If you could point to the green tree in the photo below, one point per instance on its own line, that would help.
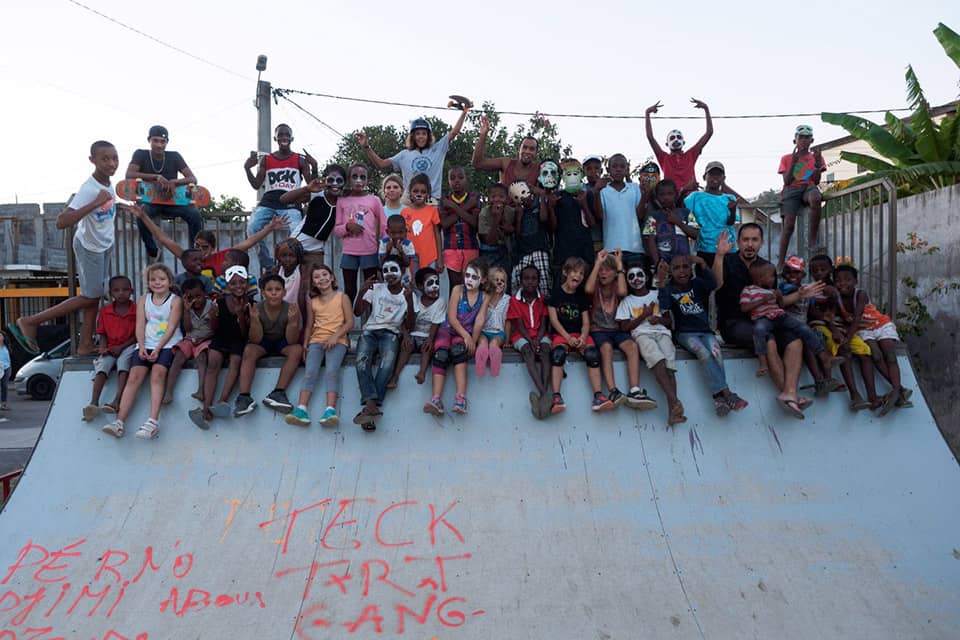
(917, 153)
(767, 197)
(386, 140)
(226, 207)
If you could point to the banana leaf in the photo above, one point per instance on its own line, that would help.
(950, 135)
(950, 41)
(928, 139)
(881, 140)
(868, 162)
(900, 129)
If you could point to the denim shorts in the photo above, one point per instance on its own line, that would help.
(359, 263)
(165, 359)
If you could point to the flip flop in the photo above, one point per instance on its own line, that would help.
(859, 405)
(889, 402)
(792, 407)
(803, 403)
(26, 343)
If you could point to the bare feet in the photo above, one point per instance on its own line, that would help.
(197, 395)
(167, 399)
(676, 414)
(420, 378)
(761, 371)
(392, 384)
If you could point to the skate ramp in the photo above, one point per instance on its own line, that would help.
(491, 525)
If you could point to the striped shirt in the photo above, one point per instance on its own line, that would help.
(769, 309)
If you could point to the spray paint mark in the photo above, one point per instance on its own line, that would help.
(695, 444)
(773, 432)
(563, 453)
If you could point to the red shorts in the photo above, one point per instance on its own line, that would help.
(457, 259)
(559, 341)
(192, 349)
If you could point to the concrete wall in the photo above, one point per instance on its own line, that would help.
(935, 216)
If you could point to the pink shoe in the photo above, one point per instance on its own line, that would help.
(496, 357)
(480, 359)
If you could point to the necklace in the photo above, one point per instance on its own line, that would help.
(163, 161)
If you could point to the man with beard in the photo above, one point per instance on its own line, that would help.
(525, 167)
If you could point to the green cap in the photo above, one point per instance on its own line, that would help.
(804, 130)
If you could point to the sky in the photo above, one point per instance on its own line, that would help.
(72, 76)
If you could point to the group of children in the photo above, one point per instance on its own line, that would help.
(558, 258)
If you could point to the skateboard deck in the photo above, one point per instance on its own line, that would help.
(147, 192)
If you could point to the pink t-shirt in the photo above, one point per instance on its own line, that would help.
(679, 167)
(366, 211)
(802, 171)
(769, 309)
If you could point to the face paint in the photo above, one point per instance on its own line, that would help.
(519, 191)
(431, 285)
(390, 271)
(675, 140)
(649, 175)
(471, 279)
(358, 179)
(549, 173)
(572, 176)
(636, 278)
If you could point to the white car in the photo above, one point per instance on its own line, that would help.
(39, 377)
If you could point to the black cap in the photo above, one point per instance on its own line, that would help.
(158, 131)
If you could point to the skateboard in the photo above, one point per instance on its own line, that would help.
(147, 192)
(460, 103)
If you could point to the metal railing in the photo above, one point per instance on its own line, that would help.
(7, 482)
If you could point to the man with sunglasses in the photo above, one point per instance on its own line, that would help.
(278, 172)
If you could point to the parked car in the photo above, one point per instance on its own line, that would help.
(39, 377)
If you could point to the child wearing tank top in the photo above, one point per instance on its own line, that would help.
(494, 332)
(158, 331)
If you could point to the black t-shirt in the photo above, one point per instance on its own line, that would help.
(688, 305)
(169, 167)
(570, 307)
(736, 276)
(531, 233)
(320, 218)
(572, 238)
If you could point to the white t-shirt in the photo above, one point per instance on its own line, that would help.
(95, 230)
(428, 316)
(630, 307)
(387, 310)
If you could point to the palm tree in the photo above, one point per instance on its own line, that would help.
(916, 153)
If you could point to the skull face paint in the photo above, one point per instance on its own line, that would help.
(391, 272)
(571, 174)
(358, 179)
(549, 174)
(636, 278)
(431, 286)
(519, 191)
(675, 140)
(471, 279)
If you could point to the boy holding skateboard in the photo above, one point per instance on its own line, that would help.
(92, 210)
(163, 167)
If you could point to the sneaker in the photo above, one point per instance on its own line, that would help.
(434, 407)
(90, 412)
(148, 430)
(558, 404)
(721, 406)
(277, 400)
(298, 417)
(735, 402)
(601, 402)
(115, 428)
(460, 404)
(329, 417)
(638, 399)
(616, 397)
(243, 405)
(197, 418)
(220, 410)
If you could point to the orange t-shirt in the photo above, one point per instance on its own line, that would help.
(421, 225)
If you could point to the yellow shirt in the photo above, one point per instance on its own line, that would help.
(327, 318)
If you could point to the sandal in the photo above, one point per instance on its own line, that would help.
(148, 430)
(26, 343)
(792, 407)
(115, 428)
(364, 418)
(460, 404)
(369, 426)
(804, 403)
(859, 405)
(109, 408)
(889, 402)
(199, 417)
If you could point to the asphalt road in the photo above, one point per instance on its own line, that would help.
(19, 430)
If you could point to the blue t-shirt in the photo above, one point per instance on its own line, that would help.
(711, 213)
(620, 227)
(688, 305)
(428, 161)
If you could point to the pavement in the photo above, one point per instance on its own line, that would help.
(19, 429)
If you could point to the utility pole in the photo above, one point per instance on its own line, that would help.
(263, 113)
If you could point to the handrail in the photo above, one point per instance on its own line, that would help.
(6, 480)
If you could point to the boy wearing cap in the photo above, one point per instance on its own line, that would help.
(715, 211)
(158, 165)
(801, 171)
(679, 165)
(421, 155)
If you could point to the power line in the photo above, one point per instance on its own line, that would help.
(159, 41)
(279, 93)
(595, 116)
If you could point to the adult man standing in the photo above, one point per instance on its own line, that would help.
(525, 167)
(163, 167)
(732, 271)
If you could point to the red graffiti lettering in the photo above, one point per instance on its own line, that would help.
(56, 556)
(147, 563)
(85, 592)
(184, 563)
(190, 603)
(420, 618)
(116, 603)
(291, 520)
(435, 520)
(365, 570)
(313, 568)
(113, 635)
(370, 614)
(29, 602)
(454, 618)
(105, 565)
(355, 544)
(311, 619)
(64, 588)
(440, 560)
(376, 527)
(340, 581)
(27, 549)
(223, 601)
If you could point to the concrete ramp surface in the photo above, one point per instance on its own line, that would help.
(487, 526)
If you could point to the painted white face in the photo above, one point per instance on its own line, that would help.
(431, 286)
(636, 278)
(549, 174)
(518, 192)
(391, 272)
(471, 279)
(675, 140)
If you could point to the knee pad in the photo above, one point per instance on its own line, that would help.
(558, 355)
(441, 358)
(458, 353)
(591, 355)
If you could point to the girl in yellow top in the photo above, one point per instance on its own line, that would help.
(329, 320)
